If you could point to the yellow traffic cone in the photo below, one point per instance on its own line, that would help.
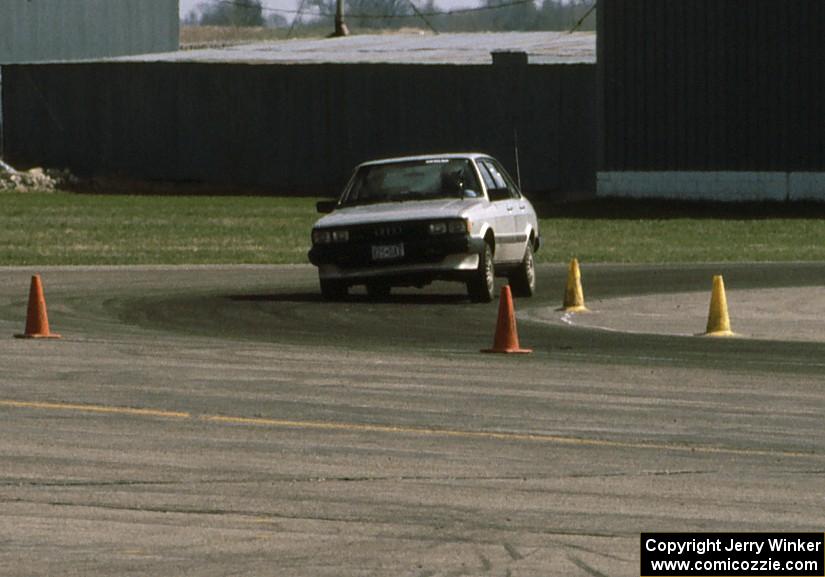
(718, 319)
(573, 294)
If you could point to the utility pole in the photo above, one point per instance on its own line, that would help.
(340, 27)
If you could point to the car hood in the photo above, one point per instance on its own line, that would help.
(399, 211)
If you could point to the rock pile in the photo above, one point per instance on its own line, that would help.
(34, 180)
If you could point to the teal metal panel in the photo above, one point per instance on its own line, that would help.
(57, 30)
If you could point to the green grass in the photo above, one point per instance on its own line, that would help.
(683, 240)
(649, 231)
(64, 228)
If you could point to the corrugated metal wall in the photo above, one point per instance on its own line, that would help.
(297, 128)
(735, 85)
(46, 30)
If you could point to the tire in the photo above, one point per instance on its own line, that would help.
(523, 280)
(333, 290)
(481, 287)
(378, 291)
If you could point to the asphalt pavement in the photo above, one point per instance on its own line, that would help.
(226, 421)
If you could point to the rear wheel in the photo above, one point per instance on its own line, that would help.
(481, 287)
(523, 280)
(333, 290)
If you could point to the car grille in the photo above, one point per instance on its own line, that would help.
(388, 232)
(420, 247)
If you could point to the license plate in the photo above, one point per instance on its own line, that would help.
(387, 251)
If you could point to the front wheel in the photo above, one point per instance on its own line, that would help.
(523, 280)
(333, 290)
(481, 287)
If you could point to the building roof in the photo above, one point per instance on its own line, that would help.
(401, 48)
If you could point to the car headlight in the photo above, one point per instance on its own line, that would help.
(458, 227)
(326, 236)
(449, 227)
(321, 236)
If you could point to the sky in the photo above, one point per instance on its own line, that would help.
(186, 6)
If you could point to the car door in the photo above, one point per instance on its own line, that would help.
(502, 197)
(522, 211)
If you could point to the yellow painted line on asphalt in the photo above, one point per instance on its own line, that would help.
(95, 409)
(402, 430)
(497, 436)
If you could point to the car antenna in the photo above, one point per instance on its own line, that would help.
(515, 146)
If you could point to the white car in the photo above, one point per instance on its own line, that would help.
(412, 220)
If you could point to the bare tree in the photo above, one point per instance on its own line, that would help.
(491, 15)
(557, 15)
(231, 13)
(377, 13)
(511, 17)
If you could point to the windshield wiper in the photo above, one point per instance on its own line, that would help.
(369, 200)
(414, 196)
(404, 197)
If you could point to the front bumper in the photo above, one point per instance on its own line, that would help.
(436, 256)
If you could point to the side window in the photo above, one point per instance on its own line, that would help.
(489, 182)
(471, 186)
(498, 185)
(511, 186)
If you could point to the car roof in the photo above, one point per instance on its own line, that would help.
(449, 155)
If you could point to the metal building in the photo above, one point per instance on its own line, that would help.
(49, 30)
(716, 99)
(60, 30)
(294, 117)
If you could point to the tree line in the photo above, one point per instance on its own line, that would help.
(393, 14)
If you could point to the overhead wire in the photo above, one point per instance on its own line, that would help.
(422, 17)
(296, 19)
(584, 17)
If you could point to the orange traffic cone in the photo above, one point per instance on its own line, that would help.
(37, 321)
(506, 339)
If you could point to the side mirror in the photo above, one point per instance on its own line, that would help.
(498, 194)
(326, 206)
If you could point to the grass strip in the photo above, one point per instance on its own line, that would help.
(78, 229)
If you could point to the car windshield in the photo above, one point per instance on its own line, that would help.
(413, 180)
